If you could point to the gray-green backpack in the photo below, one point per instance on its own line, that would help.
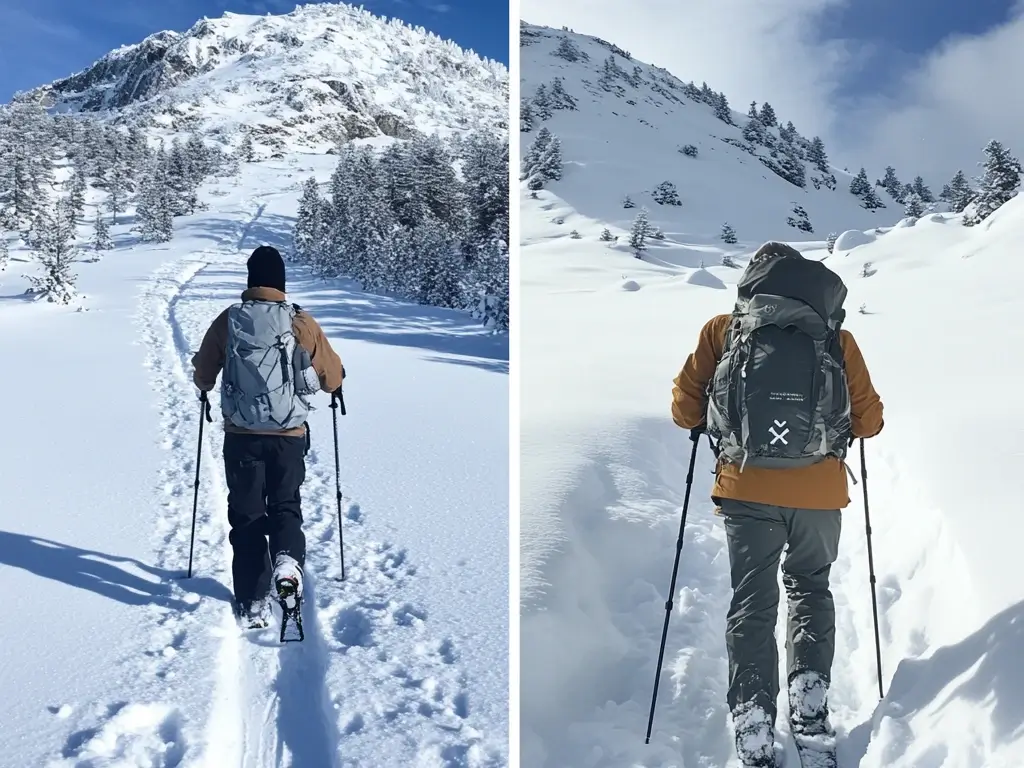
(267, 373)
(779, 396)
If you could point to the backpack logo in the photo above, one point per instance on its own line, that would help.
(779, 436)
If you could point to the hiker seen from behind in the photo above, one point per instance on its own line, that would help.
(783, 391)
(274, 357)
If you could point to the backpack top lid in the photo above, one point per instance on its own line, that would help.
(779, 269)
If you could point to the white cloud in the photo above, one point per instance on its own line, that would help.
(934, 120)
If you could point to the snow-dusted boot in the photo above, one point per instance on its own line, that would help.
(254, 614)
(755, 736)
(808, 705)
(808, 715)
(288, 584)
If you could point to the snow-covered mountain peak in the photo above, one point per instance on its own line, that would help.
(635, 135)
(308, 79)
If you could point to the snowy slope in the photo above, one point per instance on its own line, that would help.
(111, 657)
(625, 140)
(604, 468)
(305, 80)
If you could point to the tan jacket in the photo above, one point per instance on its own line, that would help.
(819, 486)
(209, 360)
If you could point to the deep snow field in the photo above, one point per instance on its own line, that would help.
(603, 477)
(111, 657)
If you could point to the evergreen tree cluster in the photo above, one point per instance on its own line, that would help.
(403, 223)
(861, 187)
(546, 100)
(998, 183)
(542, 162)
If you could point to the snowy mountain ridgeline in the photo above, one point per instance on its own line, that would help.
(147, 134)
(310, 79)
(669, 162)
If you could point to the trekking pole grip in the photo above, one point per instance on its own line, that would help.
(338, 397)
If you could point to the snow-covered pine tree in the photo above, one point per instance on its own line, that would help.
(639, 233)
(728, 261)
(541, 102)
(830, 241)
(871, 200)
(439, 275)
(533, 154)
(559, 97)
(891, 184)
(914, 207)
(752, 112)
(768, 115)
(154, 207)
(689, 150)
(606, 235)
(998, 183)
(308, 231)
(860, 184)
(666, 193)
(526, 116)
(101, 240)
(754, 131)
(5, 254)
(800, 220)
(722, 109)
(55, 251)
(960, 192)
(922, 191)
(246, 151)
(76, 193)
(566, 50)
(908, 189)
(627, 202)
(816, 155)
(728, 234)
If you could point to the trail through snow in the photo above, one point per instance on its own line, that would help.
(405, 662)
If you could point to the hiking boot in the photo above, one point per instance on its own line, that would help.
(253, 614)
(808, 705)
(755, 736)
(288, 581)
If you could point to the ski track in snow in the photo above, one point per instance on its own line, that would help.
(370, 684)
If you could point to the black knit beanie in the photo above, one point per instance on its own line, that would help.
(266, 268)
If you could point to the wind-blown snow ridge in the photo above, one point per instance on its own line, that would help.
(322, 74)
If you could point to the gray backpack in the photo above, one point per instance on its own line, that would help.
(267, 373)
(779, 396)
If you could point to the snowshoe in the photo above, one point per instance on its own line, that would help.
(288, 584)
(813, 734)
(254, 614)
(755, 737)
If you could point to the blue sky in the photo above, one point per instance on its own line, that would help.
(43, 40)
(892, 36)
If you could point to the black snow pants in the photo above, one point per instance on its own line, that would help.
(264, 473)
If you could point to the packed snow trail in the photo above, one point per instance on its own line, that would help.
(604, 472)
(405, 663)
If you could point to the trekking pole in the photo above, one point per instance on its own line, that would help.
(871, 568)
(336, 398)
(695, 437)
(204, 410)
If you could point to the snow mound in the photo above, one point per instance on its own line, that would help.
(630, 285)
(704, 278)
(906, 222)
(853, 238)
